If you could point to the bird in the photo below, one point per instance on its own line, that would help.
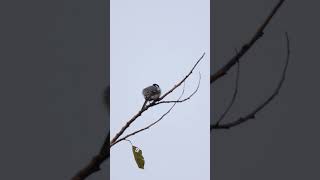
(152, 93)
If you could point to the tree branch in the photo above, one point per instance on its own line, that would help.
(146, 107)
(223, 71)
(104, 153)
(185, 99)
(233, 96)
(262, 105)
(177, 85)
(94, 165)
(152, 124)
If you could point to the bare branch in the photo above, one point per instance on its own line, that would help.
(185, 99)
(262, 105)
(94, 165)
(233, 96)
(177, 85)
(104, 153)
(147, 106)
(221, 72)
(152, 124)
(144, 108)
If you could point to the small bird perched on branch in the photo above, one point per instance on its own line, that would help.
(151, 93)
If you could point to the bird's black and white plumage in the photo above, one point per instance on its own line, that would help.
(151, 93)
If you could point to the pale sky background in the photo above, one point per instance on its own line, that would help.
(159, 42)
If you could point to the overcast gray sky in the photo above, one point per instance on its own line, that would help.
(159, 42)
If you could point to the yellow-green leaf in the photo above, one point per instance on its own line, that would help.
(137, 153)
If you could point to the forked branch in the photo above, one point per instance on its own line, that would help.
(155, 122)
(154, 103)
(104, 153)
(253, 113)
(147, 127)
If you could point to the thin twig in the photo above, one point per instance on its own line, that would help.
(152, 124)
(233, 96)
(129, 141)
(222, 71)
(185, 99)
(262, 105)
(177, 85)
